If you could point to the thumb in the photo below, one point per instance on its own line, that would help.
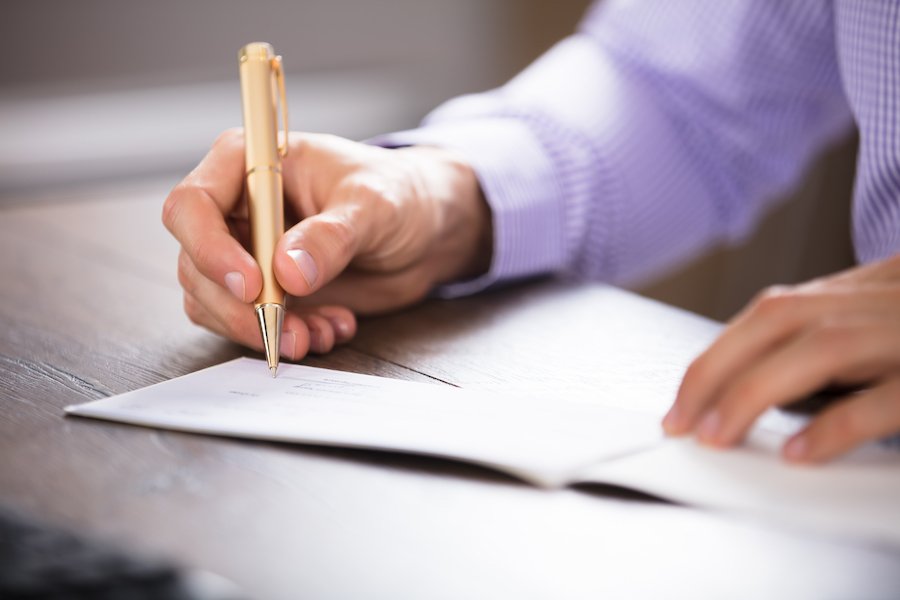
(319, 248)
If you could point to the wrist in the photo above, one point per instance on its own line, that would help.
(462, 247)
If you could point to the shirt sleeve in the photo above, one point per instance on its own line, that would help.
(656, 130)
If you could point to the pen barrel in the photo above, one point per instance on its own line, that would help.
(259, 70)
(265, 202)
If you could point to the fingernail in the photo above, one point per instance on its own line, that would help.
(288, 344)
(306, 265)
(670, 421)
(234, 281)
(795, 449)
(709, 427)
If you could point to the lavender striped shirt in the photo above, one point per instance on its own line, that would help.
(661, 127)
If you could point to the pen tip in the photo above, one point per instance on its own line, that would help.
(273, 370)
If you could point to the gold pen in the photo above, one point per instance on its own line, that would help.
(262, 93)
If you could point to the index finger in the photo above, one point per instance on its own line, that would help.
(195, 214)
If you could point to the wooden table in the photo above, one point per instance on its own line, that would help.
(91, 307)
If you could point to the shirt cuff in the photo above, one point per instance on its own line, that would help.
(520, 186)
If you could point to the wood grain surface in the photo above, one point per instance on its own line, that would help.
(89, 306)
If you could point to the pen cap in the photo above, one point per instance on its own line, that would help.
(260, 79)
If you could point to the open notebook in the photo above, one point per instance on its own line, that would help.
(547, 441)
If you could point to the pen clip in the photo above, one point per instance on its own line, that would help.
(282, 105)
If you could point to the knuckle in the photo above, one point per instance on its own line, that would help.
(173, 206)
(775, 302)
(340, 235)
(375, 191)
(323, 142)
(185, 272)
(229, 137)
(388, 205)
(192, 309)
(774, 291)
(201, 254)
(298, 141)
(697, 372)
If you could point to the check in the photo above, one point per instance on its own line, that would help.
(547, 441)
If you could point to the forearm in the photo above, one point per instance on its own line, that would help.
(619, 153)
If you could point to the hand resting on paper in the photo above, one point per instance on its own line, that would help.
(842, 330)
(368, 230)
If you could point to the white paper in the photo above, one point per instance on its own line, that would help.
(544, 441)
(857, 495)
(548, 441)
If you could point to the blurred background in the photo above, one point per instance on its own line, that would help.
(97, 92)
